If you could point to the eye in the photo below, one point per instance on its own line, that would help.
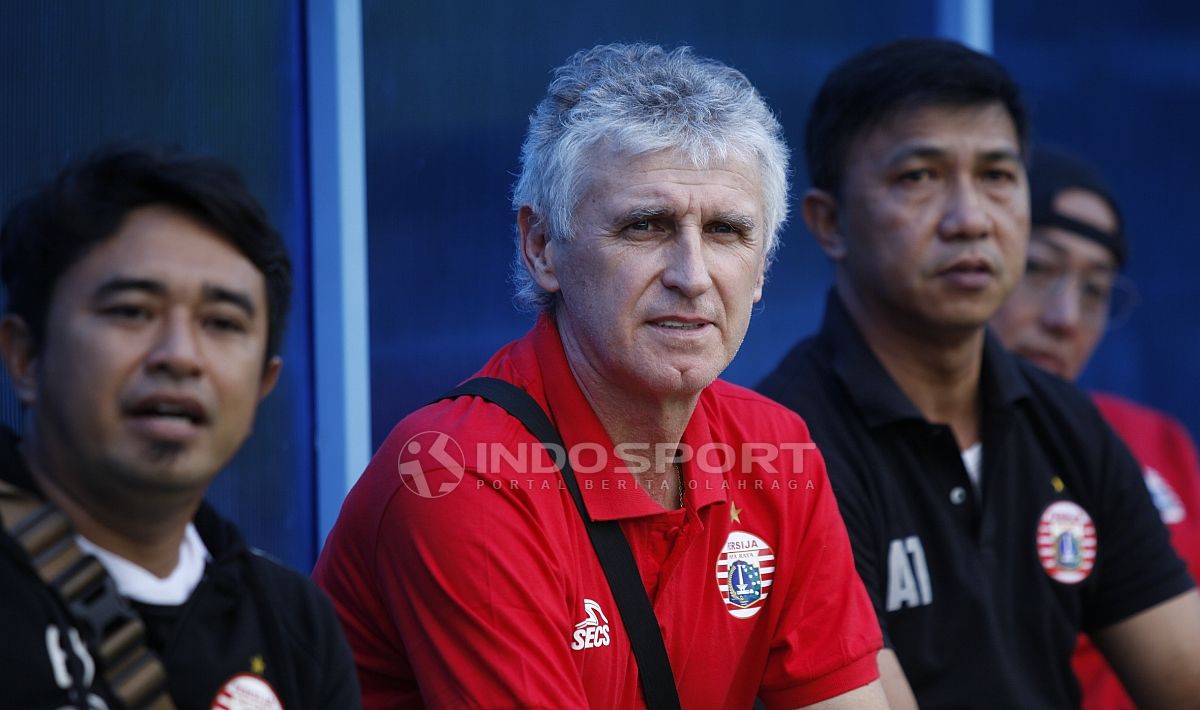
(225, 324)
(726, 230)
(999, 175)
(1042, 273)
(1098, 292)
(1037, 266)
(915, 176)
(643, 229)
(127, 311)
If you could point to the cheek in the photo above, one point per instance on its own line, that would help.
(1088, 340)
(1017, 320)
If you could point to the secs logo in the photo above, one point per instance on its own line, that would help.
(593, 631)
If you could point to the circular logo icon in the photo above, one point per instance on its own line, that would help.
(431, 464)
(745, 568)
(1066, 542)
(246, 692)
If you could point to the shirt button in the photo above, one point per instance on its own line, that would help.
(958, 495)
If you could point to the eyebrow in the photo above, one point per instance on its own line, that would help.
(638, 214)
(737, 220)
(209, 292)
(928, 152)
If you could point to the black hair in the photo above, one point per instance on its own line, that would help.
(881, 81)
(48, 232)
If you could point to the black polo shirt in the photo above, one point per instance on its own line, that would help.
(981, 600)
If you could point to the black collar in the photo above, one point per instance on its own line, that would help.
(874, 391)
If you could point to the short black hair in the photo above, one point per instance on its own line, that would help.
(881, 81)
(48, 232)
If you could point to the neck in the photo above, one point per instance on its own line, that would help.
(937, 369)
(651, 426)
(150, 541)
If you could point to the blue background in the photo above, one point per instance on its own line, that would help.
(448, 87)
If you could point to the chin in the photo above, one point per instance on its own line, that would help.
(689, 382)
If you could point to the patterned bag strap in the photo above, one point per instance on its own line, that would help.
(134, 673)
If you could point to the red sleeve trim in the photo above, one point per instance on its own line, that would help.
(843, 680)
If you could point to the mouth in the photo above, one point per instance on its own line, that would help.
(968, 272)
(167, 416)
(676, 324)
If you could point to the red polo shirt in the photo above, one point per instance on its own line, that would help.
(464, 576)
(1169, 463)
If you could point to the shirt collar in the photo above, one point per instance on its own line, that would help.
(1003, 383)
(877, 395)
(609, 491)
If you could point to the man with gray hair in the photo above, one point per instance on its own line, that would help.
(473, 564)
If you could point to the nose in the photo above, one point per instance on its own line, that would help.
(687, 270)
(176, 350)
(966, 215)
(1062, 312)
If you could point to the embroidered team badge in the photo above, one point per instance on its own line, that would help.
(1066, 542)
(246, 691)
(745, 568)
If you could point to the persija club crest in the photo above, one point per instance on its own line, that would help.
(745, 568)
(1066, 542)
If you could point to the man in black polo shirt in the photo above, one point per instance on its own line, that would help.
(992, 512)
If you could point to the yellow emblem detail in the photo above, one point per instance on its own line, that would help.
(734, 512)
(1058, 484)
(257, 665)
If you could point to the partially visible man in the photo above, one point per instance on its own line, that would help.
(652, 189)
(992, 512)
(1056, 318)
(147, 296)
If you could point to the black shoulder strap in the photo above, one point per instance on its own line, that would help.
(658, 682)
(113, 629)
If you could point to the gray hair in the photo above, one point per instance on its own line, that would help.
(641, 98)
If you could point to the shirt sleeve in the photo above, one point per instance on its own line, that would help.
(475, 596)
(829, 636)
(1137, 568)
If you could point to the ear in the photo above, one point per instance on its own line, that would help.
(537, 250)
(822, 217)
(762, 276)
(20, 358)
(270, 377)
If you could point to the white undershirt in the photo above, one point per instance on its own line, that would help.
(972, 458)
(141, 585)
